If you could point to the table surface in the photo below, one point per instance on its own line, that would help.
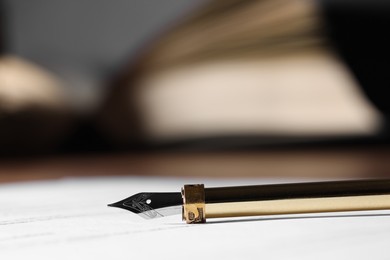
(371, 162)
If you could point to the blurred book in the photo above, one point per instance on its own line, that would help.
(242, 68)
(229, 73)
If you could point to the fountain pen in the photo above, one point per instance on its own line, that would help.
(197, 203)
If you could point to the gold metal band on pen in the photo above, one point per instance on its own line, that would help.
(193, 203)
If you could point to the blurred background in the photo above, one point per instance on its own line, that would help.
(209, 88)
(85, 41)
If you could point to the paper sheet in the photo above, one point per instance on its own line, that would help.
(69, 219)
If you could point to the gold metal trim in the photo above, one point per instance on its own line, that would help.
(295, 206)
(193, 203)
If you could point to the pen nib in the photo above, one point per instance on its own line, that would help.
(151, 205)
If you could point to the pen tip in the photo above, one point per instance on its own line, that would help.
(148, 205)
(113, 204)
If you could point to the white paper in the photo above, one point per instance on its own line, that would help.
(69, 219)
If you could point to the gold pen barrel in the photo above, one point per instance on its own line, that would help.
(297, 206)
(285, 199)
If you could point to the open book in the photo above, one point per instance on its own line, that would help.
(264, 70)
(241, 68)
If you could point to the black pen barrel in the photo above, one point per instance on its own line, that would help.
(297, 191)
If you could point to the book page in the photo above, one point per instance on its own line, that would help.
(69, 219)
(305, 95)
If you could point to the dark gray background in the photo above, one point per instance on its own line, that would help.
(91, 36)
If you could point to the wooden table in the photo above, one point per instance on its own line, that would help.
(307, 163)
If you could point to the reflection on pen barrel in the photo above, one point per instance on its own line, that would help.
(292, 198)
